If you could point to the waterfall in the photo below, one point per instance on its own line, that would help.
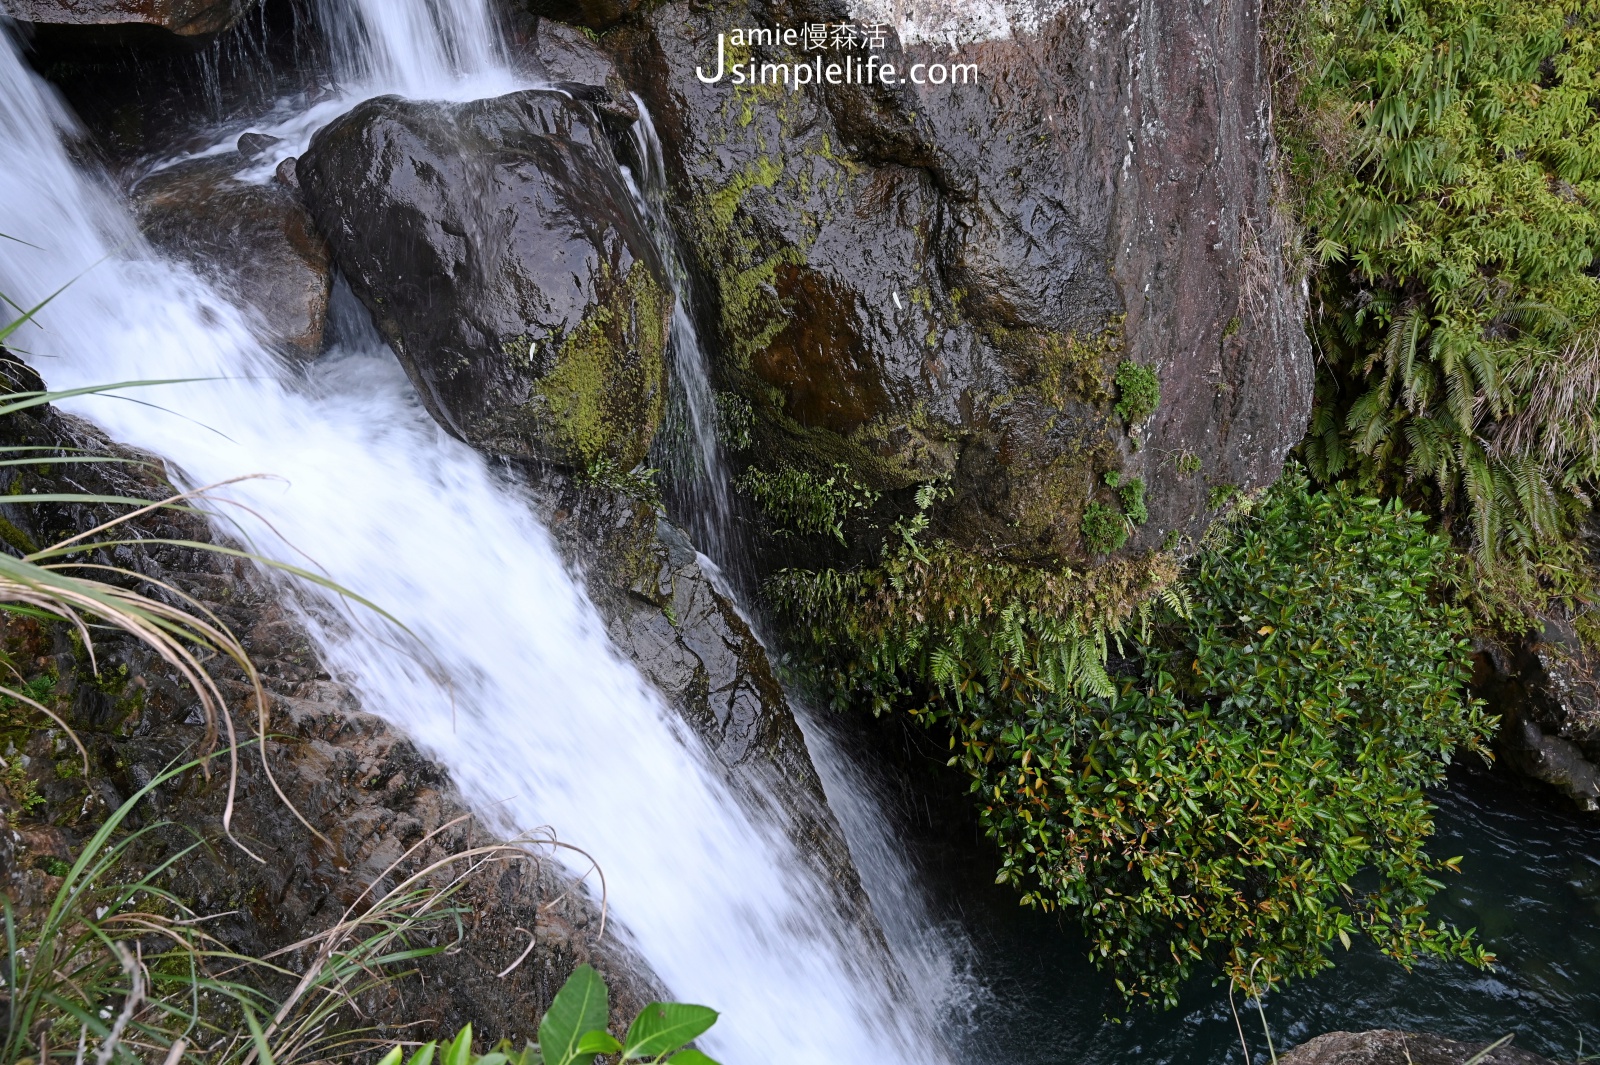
(692, 453)
(540, 722)
(416, 48)
(934, 960)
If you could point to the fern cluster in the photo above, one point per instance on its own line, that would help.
(1449, 155)
(799, 502)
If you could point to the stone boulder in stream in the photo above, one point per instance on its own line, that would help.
(1387, 1047)
(502, 257)
(256, 241)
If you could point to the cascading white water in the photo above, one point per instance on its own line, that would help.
(934, 960)
(541, 724)
(693, 462)
(416, 48)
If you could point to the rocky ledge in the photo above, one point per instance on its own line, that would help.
(369, 790)
(1385, 1047)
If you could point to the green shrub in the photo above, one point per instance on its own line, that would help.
(1138, 392)
(1216, 803)
(1449, 156)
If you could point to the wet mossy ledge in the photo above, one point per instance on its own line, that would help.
(601, 401)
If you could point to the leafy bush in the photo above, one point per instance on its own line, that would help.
(574, 1031)
(1251, 787)
(1449, 154)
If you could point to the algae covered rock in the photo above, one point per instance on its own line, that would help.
(962, 284)
(503, 259)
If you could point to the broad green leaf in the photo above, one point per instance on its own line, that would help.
(598, 1041)
(579, 1008)
(690, 1057)
(394, 1057)
(425, 1055)
(662, 1027)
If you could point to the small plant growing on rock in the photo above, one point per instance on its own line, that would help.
(574, 1031)
(801, 502)
(1104, 528)
(1138, 392)
(1131, 495)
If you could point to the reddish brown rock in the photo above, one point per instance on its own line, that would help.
(257, 241)
(187, 18)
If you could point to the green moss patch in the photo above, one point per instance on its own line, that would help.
(603, 398)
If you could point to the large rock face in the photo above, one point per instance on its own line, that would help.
(940, 283)
(257, 241)
(187, 18)
(501, 256)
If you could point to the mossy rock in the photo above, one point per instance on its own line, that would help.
(503, 258)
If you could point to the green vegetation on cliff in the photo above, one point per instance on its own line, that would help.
(1448, 155)
(1248, 788)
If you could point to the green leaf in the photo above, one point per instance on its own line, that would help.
(690, 1057)
(394, 1057)
(424, 1056)
(598, 1041)
(459, 1052)
(662, 1027)
(579, 1008)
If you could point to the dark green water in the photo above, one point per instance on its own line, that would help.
(1530, 884)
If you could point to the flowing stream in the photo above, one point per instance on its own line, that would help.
(539, 722)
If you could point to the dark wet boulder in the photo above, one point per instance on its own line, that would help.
(568, 58)
(664, 610)
(1546, 689)
(256, 240)
(503, 259)
(593, 14)
(987, 284)
(1385, 1047)
(186, 18)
